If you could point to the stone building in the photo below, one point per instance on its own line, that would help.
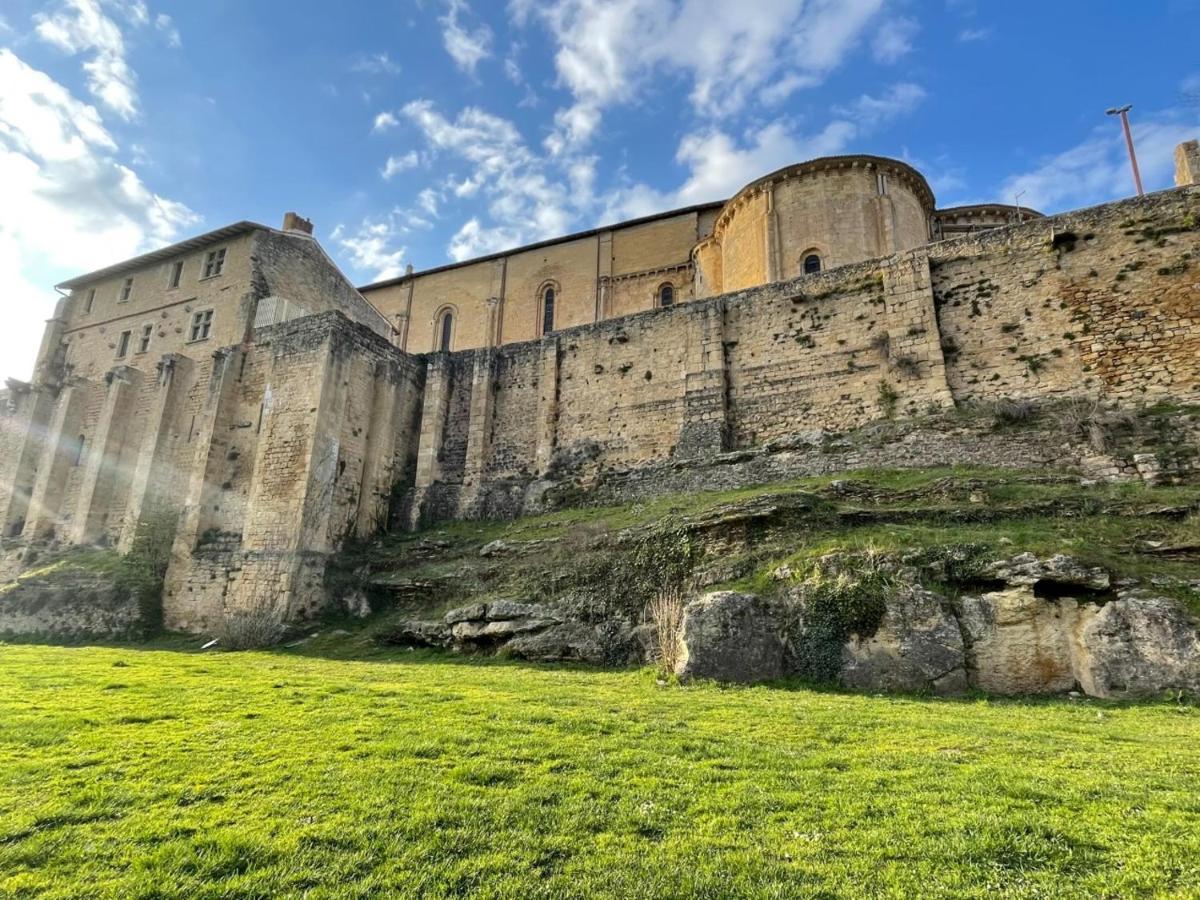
(239, 388)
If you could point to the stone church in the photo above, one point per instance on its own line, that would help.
(237, 385)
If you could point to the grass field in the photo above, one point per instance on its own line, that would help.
(133, 772)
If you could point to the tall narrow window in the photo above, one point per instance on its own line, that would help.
(812, 264)
(176, 274)
(90, 301)
(79, 450)
(446, 331)
(548, 310)
(214, 262)
(123, 344)
(144, 343)
(126, 290)
(201, 325)
(666, 295)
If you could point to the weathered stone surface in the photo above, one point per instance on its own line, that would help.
(499, 610)
(414, 633)
(567, 642)
(356, 604)
(493, 548)
(471, 613)
(1018, 643)
(68, 605)
(1058, 570)
(1138, 646)
(729, 636)
(492, 632)
(917, 647)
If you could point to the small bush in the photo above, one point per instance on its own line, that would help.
(665, 614)
(887, 399)
(882, 342)
(250, 628)
(907, 365)
(1007, 413)
(1088, 418)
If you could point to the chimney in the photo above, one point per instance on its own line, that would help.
(294, 222)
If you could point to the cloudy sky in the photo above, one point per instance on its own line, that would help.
(433, 130)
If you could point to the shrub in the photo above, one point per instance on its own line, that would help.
(250, 627)
(142, 570)
(1007, 413)
(907, 365)
(887, 399)
(665, 615)
(1088, 418)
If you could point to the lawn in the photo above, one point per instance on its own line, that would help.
(134, 772)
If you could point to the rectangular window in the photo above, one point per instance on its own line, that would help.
(90, 301)
(881, 183)
(176, 274)
(144, 343)
(123, 344)
(214, 262)
(126, 290)
(201, 325)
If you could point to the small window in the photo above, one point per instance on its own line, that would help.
(126, 290)
(79, 450)
(144, 343)
(666, 295)
(881, 183)
(812, 264)
(201, 325)
(123, 344)
(214, 262)
(446, 331)
(548, 310)
(90, 301)
(176, 274)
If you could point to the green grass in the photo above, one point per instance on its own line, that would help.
(129, 772)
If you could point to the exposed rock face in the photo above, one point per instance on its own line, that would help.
(917, 647)
(70, 606)
(1138, 646)
(1059, 570)
(730, 637)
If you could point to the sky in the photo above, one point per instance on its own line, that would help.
(429, 131)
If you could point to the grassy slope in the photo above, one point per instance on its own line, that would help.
(131, 772)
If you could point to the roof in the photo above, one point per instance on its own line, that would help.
(578, 235)
(983, 208)
(137, 262)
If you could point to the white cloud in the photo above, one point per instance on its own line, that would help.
(870, 112)
(466, 46)
(81, 26)
(428, 200)
(608, 50)
(397, 164)
(371, 247)
(164, 24)
(894, 39)
(374, 64)
(1096, 170)
(384, 121)
(969, 35)
(69, 206)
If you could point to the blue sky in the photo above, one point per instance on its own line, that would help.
(421, 132)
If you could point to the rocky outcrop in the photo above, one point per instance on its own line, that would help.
(1138, 646)
(729, 636)
(917, 646)
(71, 605)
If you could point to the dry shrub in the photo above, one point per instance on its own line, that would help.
(250, 628)
(665, 613)
(1088, 418)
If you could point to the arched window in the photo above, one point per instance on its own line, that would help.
(446, 331)
(812, 264)
(547, 309)
(666, 295)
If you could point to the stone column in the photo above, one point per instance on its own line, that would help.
(547, 408)
(24, 445)
(479, 427)
(150, 482)
(62, 452)
(1187, 163)
(105, 474)
(917, 364)
(774, 267)
(433, 418)
(379, 457)
(704, 428)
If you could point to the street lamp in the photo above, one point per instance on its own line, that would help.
(1123, 112)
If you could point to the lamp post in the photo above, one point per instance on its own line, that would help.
(1123, 112)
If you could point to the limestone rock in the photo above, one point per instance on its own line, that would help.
(415, 633)
(729, 636)
(1059, 570)
(494, 632)
(357, 604)
(1019, 643)
(566, 642)
(918, 646)
(493, 548)
(511, 609)
(474, 612)
(1139, 646)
